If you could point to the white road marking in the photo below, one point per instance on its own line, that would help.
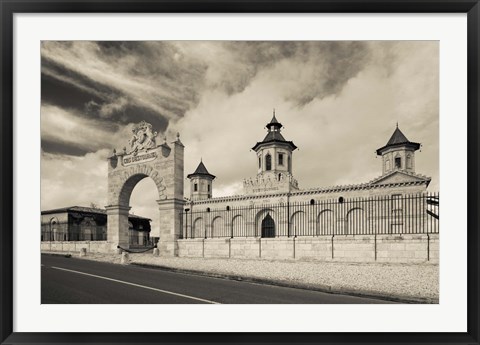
(137, 285)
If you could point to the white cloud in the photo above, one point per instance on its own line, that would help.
(73, 181)
(61, 125)
(337, 136)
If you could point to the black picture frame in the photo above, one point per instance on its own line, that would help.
(7, 175)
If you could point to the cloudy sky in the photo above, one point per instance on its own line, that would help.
(338, 102)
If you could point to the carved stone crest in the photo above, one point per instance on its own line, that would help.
(143, 138)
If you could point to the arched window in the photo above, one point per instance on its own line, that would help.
(398, 163)
(299, 224)
(238, 226)
(325, 223)
(198, 230)
(409, 162)
(259, 162)
(218, 228)
(289, 165)
(54, 232)
(268, 162)
(355, 222)
(268, 226)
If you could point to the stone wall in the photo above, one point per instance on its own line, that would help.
(192, 248)
(277, 248)
(357, 248)
(74, 247)
(360, 248)
(216, 248)
(313, 248)
(245, 247)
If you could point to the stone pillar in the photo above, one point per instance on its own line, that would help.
(171, 224)
(117, 226)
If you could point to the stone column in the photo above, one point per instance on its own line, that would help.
(171, 224)
(117, 226)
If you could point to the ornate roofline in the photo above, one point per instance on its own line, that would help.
(290, 144)
(410, 144)
(410, 174)
(332, 189)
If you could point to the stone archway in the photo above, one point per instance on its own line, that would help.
(268, 226)
(164, 165)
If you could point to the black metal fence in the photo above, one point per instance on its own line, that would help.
(67, 233)
(139, 239)
(392, 214)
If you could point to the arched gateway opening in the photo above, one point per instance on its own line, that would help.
(144, 229)
(164, 165)
(268, 226)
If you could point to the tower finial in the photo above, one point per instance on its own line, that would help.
(273, 111)
(397, 124)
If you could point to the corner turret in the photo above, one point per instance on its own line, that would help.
(398, 154)
(200, 183)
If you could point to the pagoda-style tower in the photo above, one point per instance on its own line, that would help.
(398, 154)
(274, 162)
(201, 183)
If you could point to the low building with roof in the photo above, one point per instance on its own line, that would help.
(78, 223)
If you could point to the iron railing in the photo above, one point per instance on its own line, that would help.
(60, 232)
(68, 232)
(377, 215)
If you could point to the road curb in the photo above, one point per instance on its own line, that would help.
(64, 254)
(311, 287)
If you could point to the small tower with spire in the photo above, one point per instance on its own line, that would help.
(398, 154)
(274, 153)
(274, 162)
(200, 183)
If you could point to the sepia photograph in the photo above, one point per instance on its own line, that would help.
(239, 172)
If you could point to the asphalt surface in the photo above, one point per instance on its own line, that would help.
(70, 280)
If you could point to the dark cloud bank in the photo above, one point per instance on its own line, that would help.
(180, 78)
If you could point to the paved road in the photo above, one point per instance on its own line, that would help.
(70, 280)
